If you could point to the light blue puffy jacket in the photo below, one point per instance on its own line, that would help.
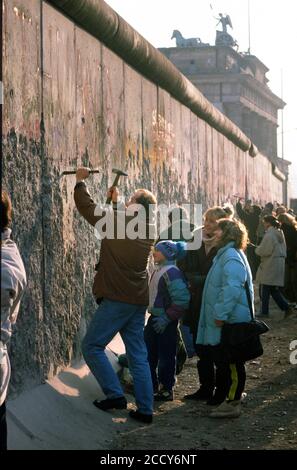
(224, 295)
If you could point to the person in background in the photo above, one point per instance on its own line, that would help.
(169, 298)
(280, 210)
(196, 266)
(271, 272)
(250, 216)
(229, 209)
(13, 283)
(292, 213)
(180, 229)
(289, 227)
(268, 210)
(225, 300)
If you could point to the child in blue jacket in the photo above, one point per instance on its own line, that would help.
(169, 298)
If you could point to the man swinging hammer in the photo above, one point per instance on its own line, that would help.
(121, 289)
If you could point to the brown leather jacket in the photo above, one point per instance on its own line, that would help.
(122, 271)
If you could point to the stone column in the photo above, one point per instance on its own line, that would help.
(274, 139)
(256, 129)
(234, 112)
(264, 136)
(255, 119)
(270, 133)
(247, 123)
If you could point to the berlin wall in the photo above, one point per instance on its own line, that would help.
(69, 100)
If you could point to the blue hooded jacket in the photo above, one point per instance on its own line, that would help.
(169, 293)
(224, 295)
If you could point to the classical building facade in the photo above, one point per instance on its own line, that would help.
(237, 85)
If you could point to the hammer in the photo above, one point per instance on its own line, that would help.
(116, 180)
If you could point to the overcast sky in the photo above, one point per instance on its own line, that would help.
(273, 41)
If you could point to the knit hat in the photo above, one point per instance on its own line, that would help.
(172, 250)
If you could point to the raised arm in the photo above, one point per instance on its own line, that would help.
(240, 211)
(83, 201)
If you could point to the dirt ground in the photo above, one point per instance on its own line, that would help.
(269, 411)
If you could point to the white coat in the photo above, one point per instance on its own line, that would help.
(13, 282)
(273, 252)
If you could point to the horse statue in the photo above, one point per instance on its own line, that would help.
(182, 42)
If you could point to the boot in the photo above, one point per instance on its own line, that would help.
(215, 401)
(119, 403)
(164, 395)
(147, 419)
(199, 395)
(228, 409)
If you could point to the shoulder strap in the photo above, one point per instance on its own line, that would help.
(247, 290)
(248, 294)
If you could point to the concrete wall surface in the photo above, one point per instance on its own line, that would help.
(69, 101)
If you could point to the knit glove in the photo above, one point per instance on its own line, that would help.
(160, 324)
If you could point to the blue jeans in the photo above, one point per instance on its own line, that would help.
(161, 350)
(110, 318)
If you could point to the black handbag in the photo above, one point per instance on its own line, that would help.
(241, 342)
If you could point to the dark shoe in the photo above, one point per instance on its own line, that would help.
(111, 404)
(227, 409)
(215, 401)
(200, 395)
(164, 395)
(141, 417)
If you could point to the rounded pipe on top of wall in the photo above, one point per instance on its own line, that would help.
(278, 173)
(102, 22)
(253, 151)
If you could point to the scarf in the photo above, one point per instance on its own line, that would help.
(209, 242)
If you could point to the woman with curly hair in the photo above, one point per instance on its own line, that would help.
(196, 267)
(225, 300)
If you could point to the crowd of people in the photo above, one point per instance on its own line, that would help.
(191, 293)
(272, 252)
